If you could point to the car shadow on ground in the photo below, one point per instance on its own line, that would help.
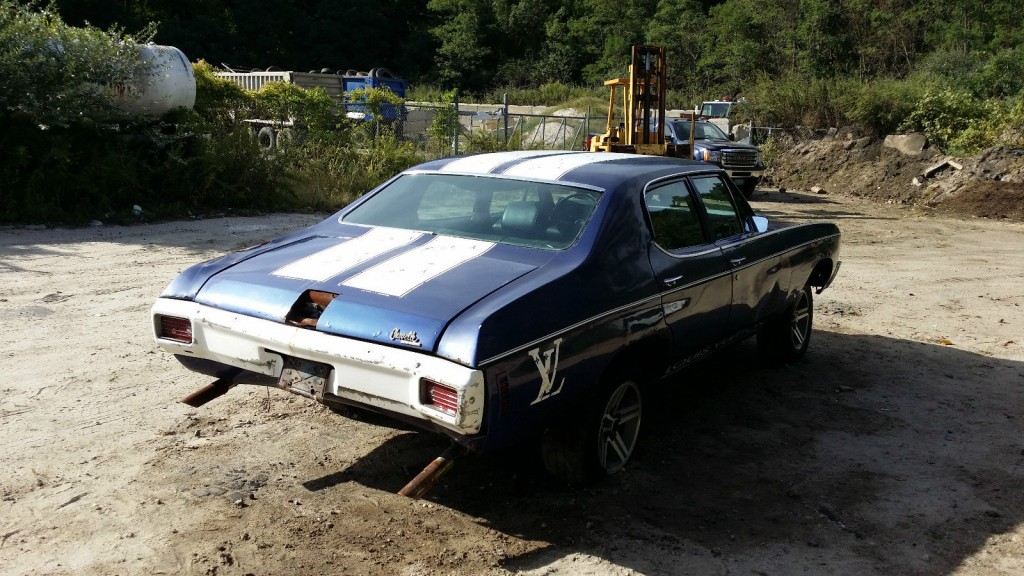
(873, 455)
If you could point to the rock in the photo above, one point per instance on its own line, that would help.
(849, 144)
(95, 223)
(917, 181)
(818, 190)
(910, 144)
(936, 168)
(137, 210)
(862, 142)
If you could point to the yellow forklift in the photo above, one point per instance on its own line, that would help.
(642, 131)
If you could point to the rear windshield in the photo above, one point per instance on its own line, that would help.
(506, 211)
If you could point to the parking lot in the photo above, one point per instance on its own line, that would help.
(895, 447)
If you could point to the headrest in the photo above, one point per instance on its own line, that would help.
(520, 217)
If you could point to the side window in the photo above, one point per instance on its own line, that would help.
(442, 201)
(722, 219)
(675, 221)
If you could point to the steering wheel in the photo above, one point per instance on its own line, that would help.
(568, 219)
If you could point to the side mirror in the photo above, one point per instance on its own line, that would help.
(760, 223)
(732, 136)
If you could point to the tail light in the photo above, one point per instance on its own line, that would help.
(174, 328)
(586, 143)
(439, 396)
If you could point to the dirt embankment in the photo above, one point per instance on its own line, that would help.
(990, 184)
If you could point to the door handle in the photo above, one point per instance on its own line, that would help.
(672, 281)
(737, 261)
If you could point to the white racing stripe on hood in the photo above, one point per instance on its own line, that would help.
(554, 167)
(405, 272)
(484, 163)
(332, 261)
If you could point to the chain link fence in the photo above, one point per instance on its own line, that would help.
(451, 129)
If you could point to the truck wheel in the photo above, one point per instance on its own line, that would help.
(785, 338)
(601, 441)
(266, 138)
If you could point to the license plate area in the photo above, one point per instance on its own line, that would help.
(304, 377)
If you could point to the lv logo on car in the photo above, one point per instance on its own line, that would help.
(548, 369)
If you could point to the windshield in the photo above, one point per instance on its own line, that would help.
(506, 211)
(705, 131)
(715, 109)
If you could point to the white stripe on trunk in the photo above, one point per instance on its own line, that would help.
(554, 167)
(332, 261)
(407, 271)
(484, 163)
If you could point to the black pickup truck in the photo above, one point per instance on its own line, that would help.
(742, 162)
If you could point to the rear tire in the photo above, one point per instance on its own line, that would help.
(786, 337)
(601, 440)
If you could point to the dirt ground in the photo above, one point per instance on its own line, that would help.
(989, 184)
(895, 447)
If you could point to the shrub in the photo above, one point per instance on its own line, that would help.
(945, 115)
(442, 127)
(219, 101)
(795, 100)
(1000, 76)
(329, 172)
(881, 106)
(284, 103)
(58, 74)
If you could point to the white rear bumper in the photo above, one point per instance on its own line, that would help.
(380, 376)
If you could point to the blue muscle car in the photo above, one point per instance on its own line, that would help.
(506, 297)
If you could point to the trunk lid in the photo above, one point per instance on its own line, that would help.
(396, 287)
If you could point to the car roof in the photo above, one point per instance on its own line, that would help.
(606, 170)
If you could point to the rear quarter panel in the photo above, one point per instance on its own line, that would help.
(545, 340)
(811, 244)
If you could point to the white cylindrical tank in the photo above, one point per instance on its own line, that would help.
(168, 83)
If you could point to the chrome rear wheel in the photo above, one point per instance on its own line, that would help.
(785, 337)
(620, 427)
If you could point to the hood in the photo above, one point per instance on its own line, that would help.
(397, 287)
(724, 145)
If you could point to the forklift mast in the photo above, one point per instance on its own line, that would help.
(643, 103)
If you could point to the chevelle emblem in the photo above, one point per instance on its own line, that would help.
(409, 338)
(548, 369)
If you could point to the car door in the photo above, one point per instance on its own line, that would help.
(752, 256)
(694, 276)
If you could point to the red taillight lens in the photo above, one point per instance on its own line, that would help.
(444, 398)
(177, 329)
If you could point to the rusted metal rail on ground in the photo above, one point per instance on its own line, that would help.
(213, 390)
(429, 476)
(416, 488)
